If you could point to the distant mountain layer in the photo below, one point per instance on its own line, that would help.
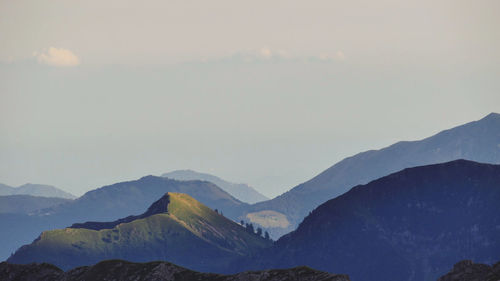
(411, 225)
(240, 191)
(175, 228)
(26, 204)
(35, 190)
(468, 271)
(110, 203)
(133, 197)
(477, 141)
(153, 271)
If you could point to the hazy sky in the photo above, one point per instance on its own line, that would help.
(264, 92)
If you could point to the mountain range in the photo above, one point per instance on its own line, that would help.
(408, 226)
(164, 271)
(240, 191)
(153, 271)
(118, 200)
(109, 203)
(40, 190)
(26, 204)
(381, 220)
(477, 141)
(176, 228)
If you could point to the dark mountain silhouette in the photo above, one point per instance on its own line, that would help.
(241, 191)
(411, 225)
(26, 204)
(110, 203)
(35, 190)
(477, 141)
(466, 270)
(153, 271)
(175, 228)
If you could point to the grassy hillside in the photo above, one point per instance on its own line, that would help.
(186, 232)
(109, 203)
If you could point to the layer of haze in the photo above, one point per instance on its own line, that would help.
(268, 93)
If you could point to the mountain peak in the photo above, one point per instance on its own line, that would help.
(492, 116)
(158, 207)
(242, 192)
(170, 203)
(40, 190)
(396, 216)
(173, 228)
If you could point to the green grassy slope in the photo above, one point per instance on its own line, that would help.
(188, 233)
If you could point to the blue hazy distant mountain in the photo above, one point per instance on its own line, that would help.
(35, 190)
(240, 191)
(114, 201)
(478, 141)
(26, 204)
(412, 225)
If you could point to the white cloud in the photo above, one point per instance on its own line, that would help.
(338, 56)
(265, 52)
(262, 54)
(57, 57)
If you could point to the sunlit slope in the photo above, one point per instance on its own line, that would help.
(176, 228)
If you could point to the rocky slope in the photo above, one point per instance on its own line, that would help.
(153, 271)
(478, 141)
(468, 271)
(408, 226)
(175, 228)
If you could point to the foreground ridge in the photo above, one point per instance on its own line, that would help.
(466, 270)
(153, 271)
(412, 225)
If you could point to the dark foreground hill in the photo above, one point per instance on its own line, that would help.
(109, 203)
(466, 270)
(477, 141)
(176, 228)
(153, 271)
(409, 226)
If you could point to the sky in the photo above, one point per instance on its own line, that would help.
(268, 93)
